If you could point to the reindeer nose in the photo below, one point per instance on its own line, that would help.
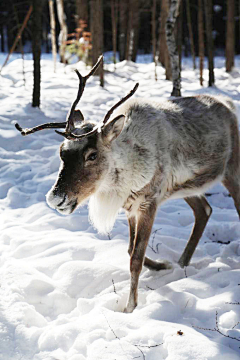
(62, 202)
(55, 198)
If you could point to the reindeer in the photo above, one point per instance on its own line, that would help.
(148, 153)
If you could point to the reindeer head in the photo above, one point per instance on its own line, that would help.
(84, 153)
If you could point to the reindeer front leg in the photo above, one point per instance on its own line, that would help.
(143, 227)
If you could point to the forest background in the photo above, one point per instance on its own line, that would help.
(84, 29)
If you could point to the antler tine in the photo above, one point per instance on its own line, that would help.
(71, 136)
(82, 83)
(27, 131)
(94, 67)
(109, 113)
(69, 123)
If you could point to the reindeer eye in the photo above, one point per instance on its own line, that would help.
(92, 156)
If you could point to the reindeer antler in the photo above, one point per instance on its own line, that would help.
(27, 131)
(106, 118)
(69, 124)
(82, 83)
(109, 113)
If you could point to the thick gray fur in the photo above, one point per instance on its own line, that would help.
(156, 151)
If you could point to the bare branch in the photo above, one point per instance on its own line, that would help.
(138, 346)
(217, 329)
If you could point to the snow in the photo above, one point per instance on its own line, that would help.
(63, 287)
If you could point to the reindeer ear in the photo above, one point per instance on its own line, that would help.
(77, 117)
(112, 129)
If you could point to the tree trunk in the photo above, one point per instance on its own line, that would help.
(36, 49)
(82, 10)
(2, 38)
(154, 39)
(172, 47)
(132, 31)
(208, 17)
(135, 29)
(53, 33)
(230, 38)
(128, 35)
(200, 40)
(21, 45)
(189, 22)
(19, 34)
(123, 6)
(64, 30)
(178, 34)
(97, 35)
(164, 56)
(114, 27)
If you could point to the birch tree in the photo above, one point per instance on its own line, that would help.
(53, 33)
(164, 57)
(63, 27)
(189, 22)
(172, 47)
(179, 33)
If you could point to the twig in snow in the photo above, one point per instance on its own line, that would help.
(153, 238)
(217, 329)
(148, 287)
(185, 271)
(138, 346)
(218, 242)
(114, 288)
(232, 303)
(118, 338)
(187, 303)
(141, 352)
(148, 346)
(236, 325)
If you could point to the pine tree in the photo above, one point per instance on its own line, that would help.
(97, 35)
(200, 40)
(230, 37)
(82, 10)
(208, 17)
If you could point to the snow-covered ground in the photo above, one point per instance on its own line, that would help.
(62, 286)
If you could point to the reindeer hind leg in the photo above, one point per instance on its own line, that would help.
(231, 182)
(148, 263)
(202, 211)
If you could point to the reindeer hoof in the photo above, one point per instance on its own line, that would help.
(129, 308)
(156, 265)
